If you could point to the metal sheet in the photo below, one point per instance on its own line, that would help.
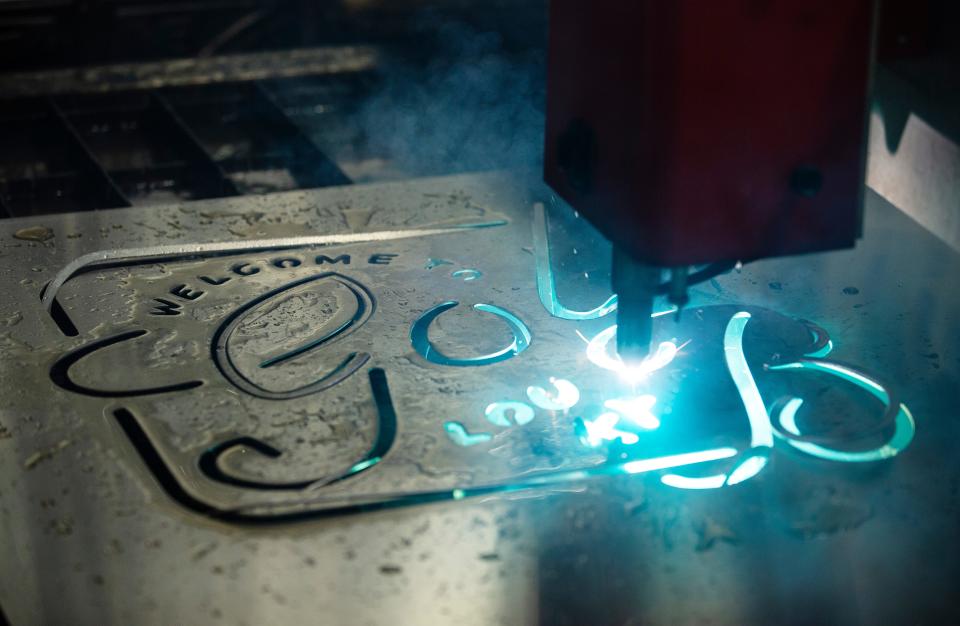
(236, 417)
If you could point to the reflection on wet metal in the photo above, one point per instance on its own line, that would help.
(459, 434)
(566, 395)
(421, 342)
(499, 413)
(467, 274)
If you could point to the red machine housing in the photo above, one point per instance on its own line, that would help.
(692, 131)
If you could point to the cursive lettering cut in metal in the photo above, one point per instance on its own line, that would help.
(211, 462)
(286, 323)
(60, 372)
(179, 252)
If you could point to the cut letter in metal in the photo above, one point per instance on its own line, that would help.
(264, 333)
(421, 341)
(546, 285)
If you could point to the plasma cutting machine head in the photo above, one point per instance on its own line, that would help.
(697, 134)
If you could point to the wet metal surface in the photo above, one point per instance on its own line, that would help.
(369, 429)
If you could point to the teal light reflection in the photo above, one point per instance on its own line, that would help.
(822, 352)
(420, 339)
(467, 274)
(904, 424)
(604, 428)
(459, 434)
(566, 395)
(546, 286)
(637, 410)
(499, 413)
(678, 460)
(761, 431)
(748, 469)
(362, 465)
(688, 482)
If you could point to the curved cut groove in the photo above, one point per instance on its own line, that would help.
(210, 465)
(60, 372)
(421, 342)
(546, 285)
(566, 395)
(499, 413)
(467, 274)
(761, 431)
(897, 412)
(179, 252)
(348, 366)
(459, 434)
(822, 344)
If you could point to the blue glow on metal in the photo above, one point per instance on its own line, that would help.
(599, 354)
(419, 337)
(761, 431)
(604, 428)
(822, 352)
(546, 285)
(788, 416)
(748, 469)
(362, 465)
(677, 460)
(460, 436)
(499, 413)
(567, 395)
(467, 274)
(637, 410)
(687, 482)
(904, 424)
(432, 263)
